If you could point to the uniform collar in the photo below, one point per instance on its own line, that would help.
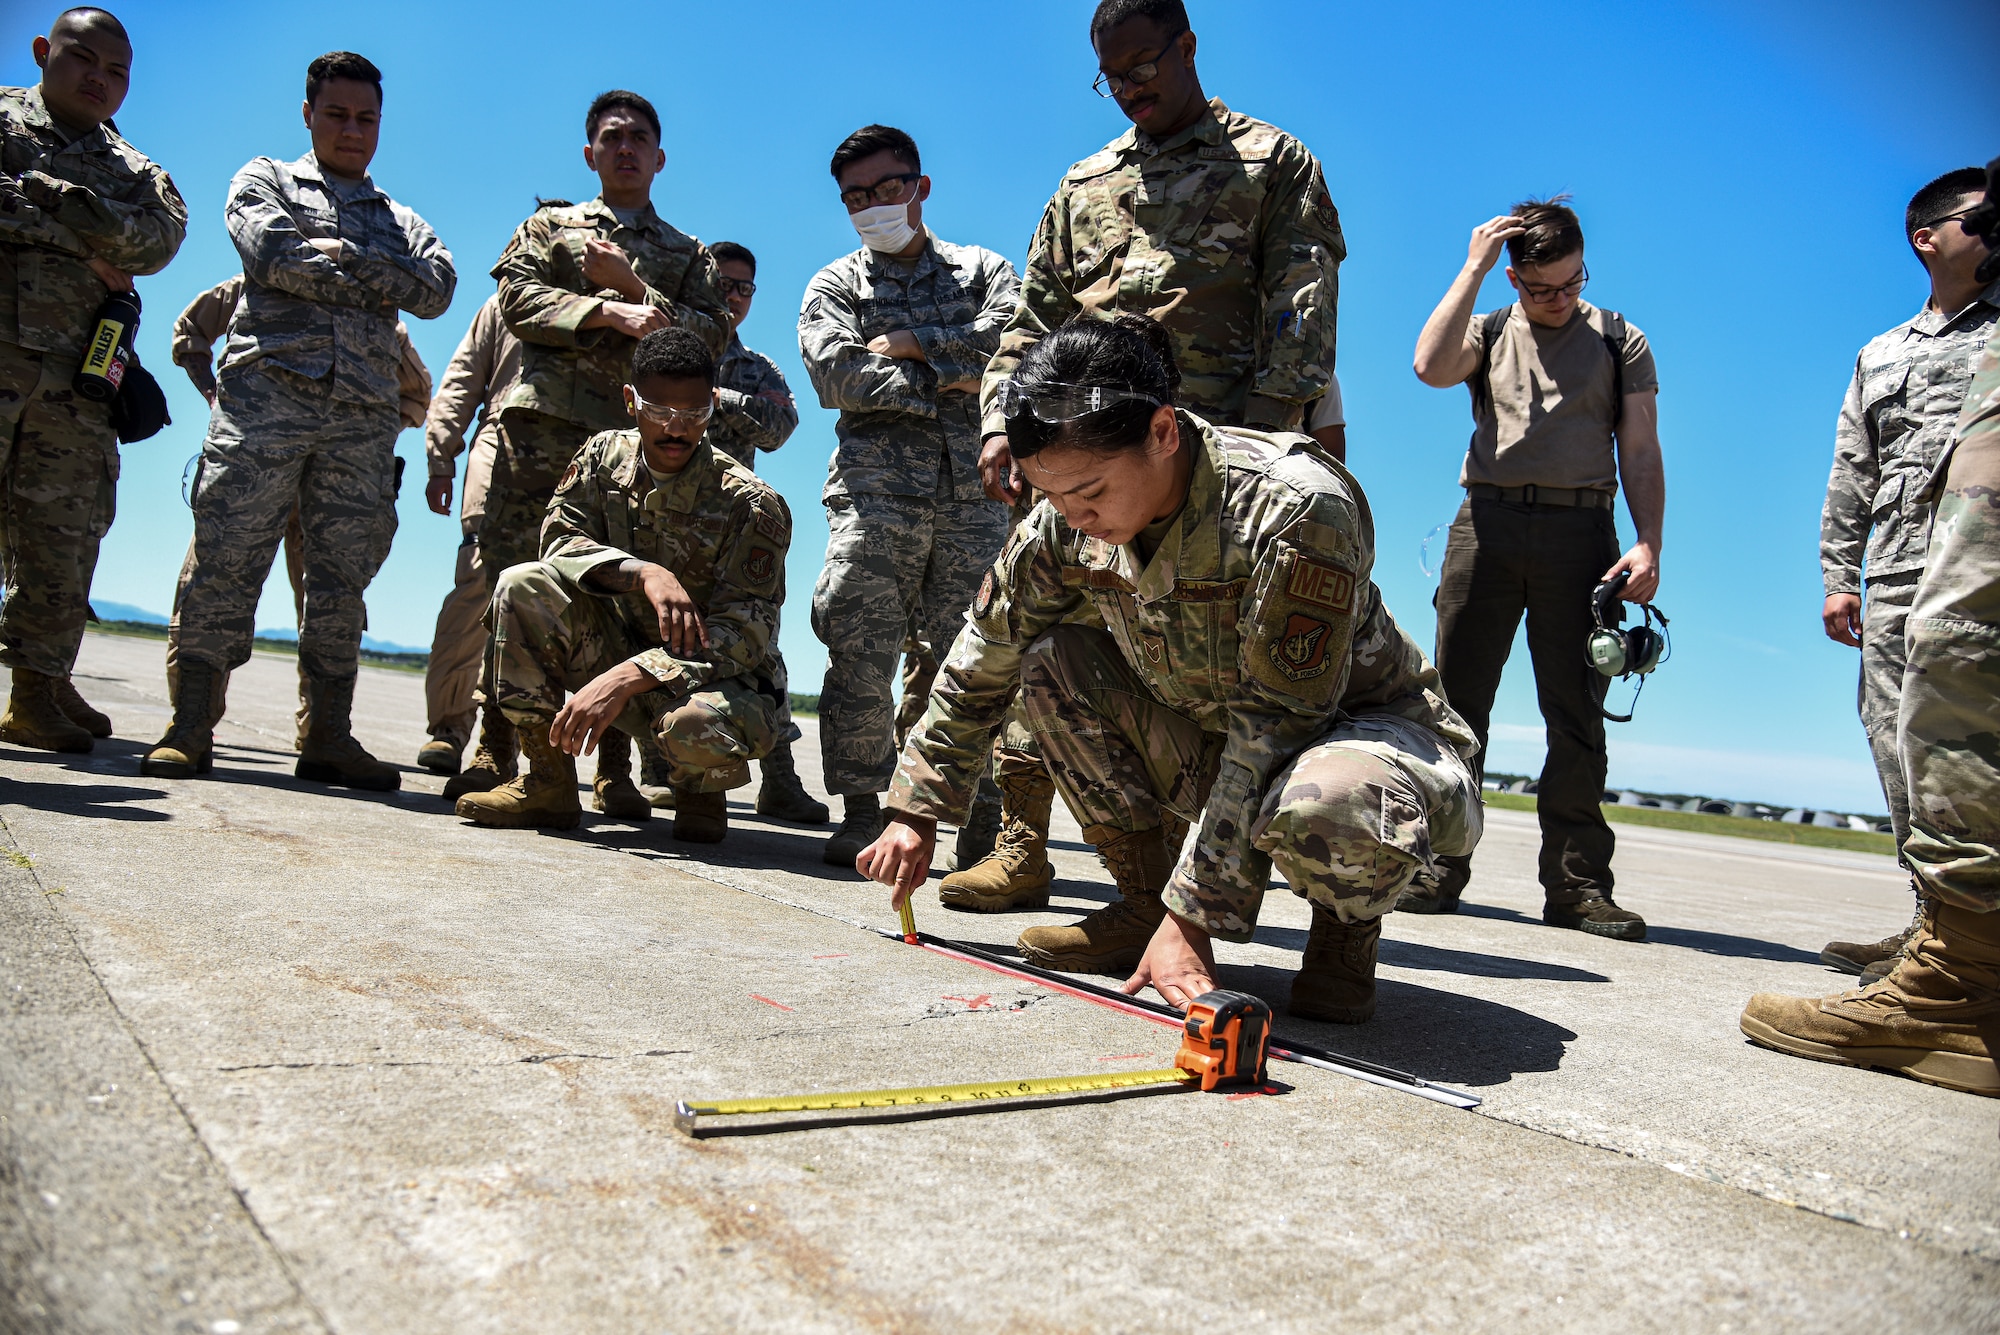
(307, 168)
(677, 494)
(1207, 128)
(39, 116)
(646, 220)
(891, 266)
(1933, 322)
(1192, 548)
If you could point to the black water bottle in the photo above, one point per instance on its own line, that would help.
(110, 348)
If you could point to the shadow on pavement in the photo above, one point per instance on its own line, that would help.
(1737, 947)
(1441, 1036)
(1438, 959)
(99, 801)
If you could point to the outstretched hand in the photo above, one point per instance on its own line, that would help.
(1179, 963)
(583, 719)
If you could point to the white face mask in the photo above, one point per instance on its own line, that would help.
(885, 228)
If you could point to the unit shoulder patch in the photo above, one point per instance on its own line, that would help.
(1299, 651)
(760, 565)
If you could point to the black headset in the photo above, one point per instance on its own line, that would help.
(1625, 651)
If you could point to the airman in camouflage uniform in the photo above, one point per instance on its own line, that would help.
(756, 411)
(911, 526)
(1223, 231)
(1900, 412)
(559, 626)
(81, 211)
(1247, 681)
(579, 285)
(306, 416)
(1936, 1015)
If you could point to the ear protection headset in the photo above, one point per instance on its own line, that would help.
(1619, 651)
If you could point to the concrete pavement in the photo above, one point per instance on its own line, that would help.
(278, 1058)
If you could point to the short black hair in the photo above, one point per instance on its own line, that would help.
(1553, 231)
(733, 252)
(673, 354)
(1129, 352)
(85, 17)
(619, 97)
(869, 140)
(1170, 16)
(342, 65)
(1940, 197)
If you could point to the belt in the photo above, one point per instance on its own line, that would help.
(1588, 497)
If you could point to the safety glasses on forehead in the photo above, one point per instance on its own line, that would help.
(1059, 403)
(659, 414)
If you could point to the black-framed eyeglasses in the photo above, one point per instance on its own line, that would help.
(1541, 295)
(730, 286)
(1958, 217)
(888, 190)
(1110, 85)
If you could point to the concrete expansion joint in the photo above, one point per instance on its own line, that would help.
(11, 848)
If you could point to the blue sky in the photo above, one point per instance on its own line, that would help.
(1741, 170)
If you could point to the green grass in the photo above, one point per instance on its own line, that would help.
(1771, 831)
(146, 630)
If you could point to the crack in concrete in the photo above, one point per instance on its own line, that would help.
(533, 1059)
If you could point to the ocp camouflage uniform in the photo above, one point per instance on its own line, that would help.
(63, 201)
(1248, 680)
(1949, 726)
(306, 408)
(724, 533)
(756, 411)
(572, 378)
(1901, 409)
(911, 526)
(1225, 234)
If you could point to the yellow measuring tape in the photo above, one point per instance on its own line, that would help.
(687, 1115)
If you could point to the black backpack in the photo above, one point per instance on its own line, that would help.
(1615, 335)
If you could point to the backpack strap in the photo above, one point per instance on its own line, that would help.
(1617, 337)
(1490, 325)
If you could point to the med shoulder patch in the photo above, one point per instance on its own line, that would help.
(1304, 628)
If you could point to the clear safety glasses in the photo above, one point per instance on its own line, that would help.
(1058, 403)
(673, 419)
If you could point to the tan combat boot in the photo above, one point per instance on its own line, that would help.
(1016, 874)
(1935, 1017)
(544, 798)
(612, 791)
(1872, 959)
(1336, 979)
(441, 755)
(700, 818)
(35, 718)
(782, 796)
(329, 753)
(188, 748)
(1112, 939)
(78, 710)
(494, 761)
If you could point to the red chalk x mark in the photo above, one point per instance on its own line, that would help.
(768, 1002)
(984, 999)
(1125, 1057)
(830, 957)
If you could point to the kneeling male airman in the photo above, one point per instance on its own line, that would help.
(656, 600)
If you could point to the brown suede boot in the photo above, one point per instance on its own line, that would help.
(330, 754)
(782, 796)
(544, 798)
(78, 710)
(188, 748)
(1111, 940)
(1934, 1017)
(612, 791)
(700, 818)
(494, 761)
(1016, 874)
(1872, 959)
(35, 718)
(1336, 980)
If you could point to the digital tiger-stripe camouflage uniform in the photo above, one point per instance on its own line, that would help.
(1936, 1015)
(1901, 410)
(723, 532)
(306, 415)
(64, 200)
(1247, 680)
(572, 387)
(1223, 232)
(911, 526)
